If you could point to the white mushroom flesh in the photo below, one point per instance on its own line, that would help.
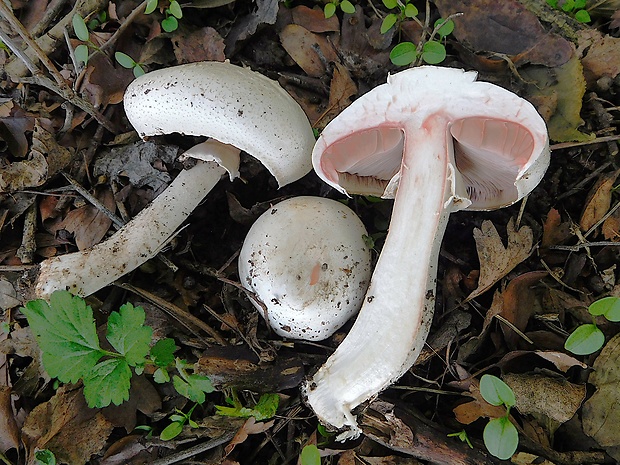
(445, 142)
(306, 260)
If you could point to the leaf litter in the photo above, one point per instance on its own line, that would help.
(509, 300)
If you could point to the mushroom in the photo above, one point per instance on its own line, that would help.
(240, 110)
(306, 260)
(436, 141)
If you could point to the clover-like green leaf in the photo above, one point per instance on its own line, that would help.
(403, 54)
(433, 52)
(607, 306)
(501, 438)
(496, 392)
(585, 340)
(80, 28)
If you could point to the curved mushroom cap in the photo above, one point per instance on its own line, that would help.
(497, 140)
(231, 104)
(306, 259)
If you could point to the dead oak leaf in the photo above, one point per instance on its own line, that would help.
(601, 412)
(598, 200)
(249, 427)
(66, 426)
(496, 261)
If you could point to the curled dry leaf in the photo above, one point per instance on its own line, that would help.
(601, 412)
(9, 432)
(301, 45)
(203, 44)
(87, 223)
(496, 261)
(67, 427)
(557, 94)
(598, 201)
(505, 27)
(553, 398)
(314, 20)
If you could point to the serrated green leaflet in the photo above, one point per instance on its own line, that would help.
(65, 330)
(108, 382)
(162, 352)
(193, 387)
(128, 335)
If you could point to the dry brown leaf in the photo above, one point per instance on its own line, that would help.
(341, 89)
(249, 427)
(469, 412)
(543, 396)
(314, 19)
(88, 224)
(602, 59)
(505, 27)
(203, 44)
(496, 261)
(300, 44)
(554, 230)
(66, 426)
(611, 227)
(519, 302)
(9, 432)
(523, 458)
(601, 412)
(598, 201)
(557, 94)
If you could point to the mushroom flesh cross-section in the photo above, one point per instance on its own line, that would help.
(436, 141)
(240, 110)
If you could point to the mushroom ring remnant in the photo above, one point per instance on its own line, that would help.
(240, 110)
(306, 259)
(436, 141)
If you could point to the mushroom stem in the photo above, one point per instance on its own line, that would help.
(399, 304)
(87, 271)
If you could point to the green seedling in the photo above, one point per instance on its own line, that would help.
(127, 62)
(588, 338)
(178, 420)
(172, 13)
(265, 408)
(500, 435)
(575, 8)
(462, 436)
(66, 332)
(44, 457)
(81, 31)
(430, 51)
(345, 5)
(310, 455)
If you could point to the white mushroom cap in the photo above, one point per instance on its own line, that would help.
(233, 105)
(306, 259)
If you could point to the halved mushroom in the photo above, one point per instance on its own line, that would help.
(436, 141)
(306, 260)
(240, 110)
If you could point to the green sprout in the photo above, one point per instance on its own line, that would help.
(172, 13)
(127, 62)
(500, 435)
(178, 420)
(575, 8)
(345, 5)
(588, 338)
